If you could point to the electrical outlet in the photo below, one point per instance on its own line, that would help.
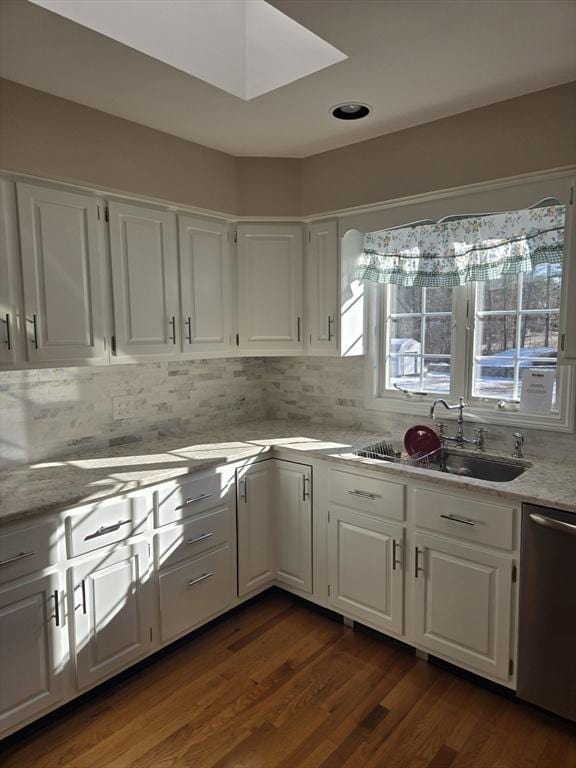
(123, 407)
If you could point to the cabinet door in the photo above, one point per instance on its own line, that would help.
(145, 280)
(32, 650)
(111, 612)
(366, 568)
(10, 317)
(462, 603)
(205, 285)
(256, 566)
(62, 275)
(293, 524)
(322, 287)
(270, 288)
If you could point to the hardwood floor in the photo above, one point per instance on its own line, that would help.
(278, 685)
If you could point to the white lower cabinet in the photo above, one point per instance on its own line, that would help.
(32, 649)
(110, 611)
(366, 569)
(462, 603)
(256, 536)
(193, 592)
(293, 523)
(275, 526)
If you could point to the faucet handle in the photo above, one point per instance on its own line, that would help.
(441, 430)
(480, 440)
(518, 445)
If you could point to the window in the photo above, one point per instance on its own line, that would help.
(475, 339)
(419, 339)
(516, 329)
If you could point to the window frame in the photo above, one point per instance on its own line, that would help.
(467, 201)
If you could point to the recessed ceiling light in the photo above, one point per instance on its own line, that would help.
(350, 111)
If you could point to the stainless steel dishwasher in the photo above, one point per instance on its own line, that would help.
(547, 628)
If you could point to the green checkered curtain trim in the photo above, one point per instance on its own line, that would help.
(455, 252)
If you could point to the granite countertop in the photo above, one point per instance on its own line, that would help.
(53, 486)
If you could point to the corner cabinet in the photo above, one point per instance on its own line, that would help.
(274, 526)
(144, 260)
(270, 289)
(205, 286)
(62, 275)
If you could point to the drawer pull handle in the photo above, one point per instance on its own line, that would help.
(417, 568)
(57, 607)
(305, 488)
(199, 579)
(83, 588)
(104, 529)
(395, 561)
(364, 494)
(202, 497)
(455, 519)
(199, 538)
(20, 556)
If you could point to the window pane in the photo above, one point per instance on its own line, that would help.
(498, 295)
(405, 370)
(438, 299)
(438, 335)
(541, 288)
(494, 378)
(539, 335)
(405, 334)
(405, 300)
(497, 334)
(436, 375)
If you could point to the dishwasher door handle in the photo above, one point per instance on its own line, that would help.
(556, 525)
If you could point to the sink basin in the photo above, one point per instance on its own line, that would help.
(482, 468)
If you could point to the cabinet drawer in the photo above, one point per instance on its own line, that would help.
(176, 502)
(201, 533)
(27, 549)
(194, 591)
(464, 518)
(99, 525)
(367, 494)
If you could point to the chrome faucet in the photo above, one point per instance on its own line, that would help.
(459, 439)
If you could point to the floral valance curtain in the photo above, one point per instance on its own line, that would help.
(454, 252)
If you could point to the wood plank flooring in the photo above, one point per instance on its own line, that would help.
(279, 685)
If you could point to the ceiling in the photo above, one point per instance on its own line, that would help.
(412, 60)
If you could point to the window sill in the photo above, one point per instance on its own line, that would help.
(476, 412)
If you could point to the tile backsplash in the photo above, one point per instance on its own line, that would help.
(331, 390)
(54, 412)
(51, 413)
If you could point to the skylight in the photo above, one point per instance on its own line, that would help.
(244, 47)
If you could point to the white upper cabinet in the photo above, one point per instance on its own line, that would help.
(10, 317)
(270, 288)
(322, 288)
(205, 286)
(62, 276)
(144, 257)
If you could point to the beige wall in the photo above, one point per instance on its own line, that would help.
(529, 133)
(48, 136)
(269, 186)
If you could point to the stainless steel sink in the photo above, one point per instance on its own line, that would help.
(482, 468)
